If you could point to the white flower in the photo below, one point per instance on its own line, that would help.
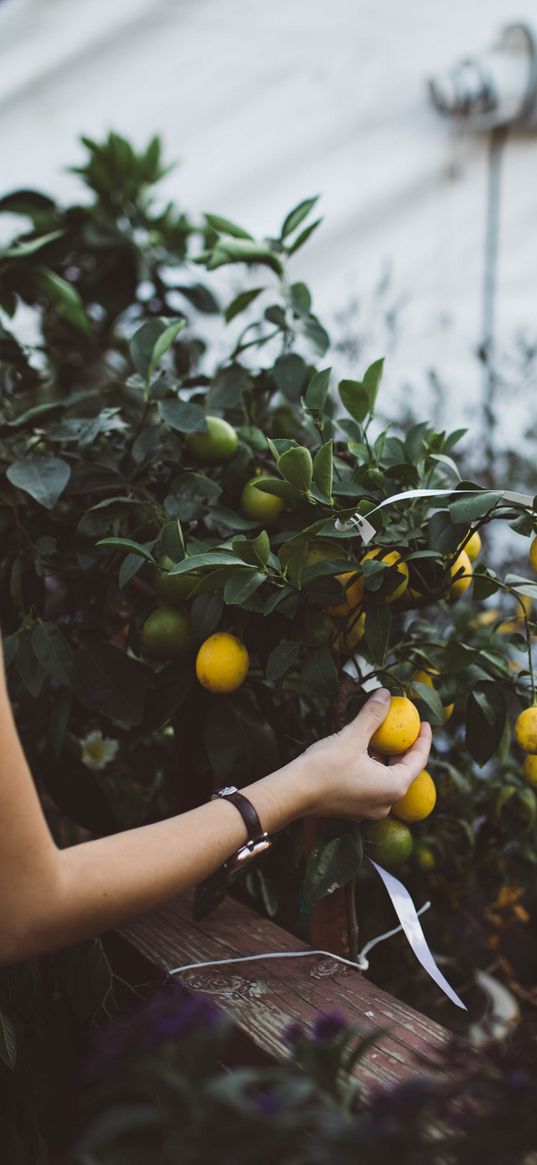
(97, 750)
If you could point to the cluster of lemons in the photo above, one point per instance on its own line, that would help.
(222, 660)
(526, 722)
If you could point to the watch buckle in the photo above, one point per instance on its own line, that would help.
(251, 849)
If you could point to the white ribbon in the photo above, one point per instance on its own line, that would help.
(367, 531)
(408, 917)
(410, 925)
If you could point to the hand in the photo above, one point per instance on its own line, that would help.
(343, 777)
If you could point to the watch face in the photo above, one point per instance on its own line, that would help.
(227, 790)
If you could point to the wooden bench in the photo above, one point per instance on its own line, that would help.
(264, 997)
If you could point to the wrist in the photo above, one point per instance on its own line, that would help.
(283, 796)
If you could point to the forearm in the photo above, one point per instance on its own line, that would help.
(97, 885)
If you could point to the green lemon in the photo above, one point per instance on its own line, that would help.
(390, 842)
(217, 445)
(167, 634)
(173, 589)
(260, 506)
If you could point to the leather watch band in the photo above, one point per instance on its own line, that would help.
(258, 841)
(248, 814)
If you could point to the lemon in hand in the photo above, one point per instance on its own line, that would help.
(419, 800)
(400, 728)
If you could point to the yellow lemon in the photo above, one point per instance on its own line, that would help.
(400, 728)
(448, 712)
(533, 554)
(526, 729)
(418, 802)
(391, 558)
(474, 546)
(352, 585)
(349, 637)
(529, 770)
(424, 857)
(462, 567)
(222, 662)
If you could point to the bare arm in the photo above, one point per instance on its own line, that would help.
(51, 898)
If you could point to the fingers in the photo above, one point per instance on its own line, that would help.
(372, 714)
(409, 766)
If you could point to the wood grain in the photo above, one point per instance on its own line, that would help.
(264, 997)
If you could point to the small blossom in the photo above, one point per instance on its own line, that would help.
(98, 750)
(327, 1027)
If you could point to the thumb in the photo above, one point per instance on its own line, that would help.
(374, 712)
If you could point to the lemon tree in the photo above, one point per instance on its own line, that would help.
(185, 567)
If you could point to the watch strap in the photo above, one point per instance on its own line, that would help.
(247, 812)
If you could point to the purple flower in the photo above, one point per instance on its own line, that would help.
(293, 1033)
(327, 1027)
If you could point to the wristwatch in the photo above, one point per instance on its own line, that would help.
(258, 840)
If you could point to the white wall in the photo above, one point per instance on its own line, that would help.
(266, 103)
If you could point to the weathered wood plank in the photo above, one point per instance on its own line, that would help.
(264, 997)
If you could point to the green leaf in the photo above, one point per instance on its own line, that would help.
(187, 495)
(303, 237)
(317, 390)
(53, 652)
(205, 614)
(300, 299)
(32, 414)
(290, 374)
(354, 398)
(66, 300)
(372, 380)
(255, 551)
(144, 344)
(241, 302)
(183, 416)
(297, 216)
(296, 466)
(24, 250)
(172, 539)
(164, 342)
(485, 721)
(331, 864)
(129, 568)
(274, 485)
(43, 478)
(323, 469)
(200, 297)
(428, 696)
(281, 659)
(210, 558)
(319, 672)
(111, 683)
(522, 586)
(226, 227)
(11, 646)
(469, 509)
(243, 251)
(485, 584)
(228, 385)
(242, 585)
(8, 1041)
(128, 544)
(377, 632)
